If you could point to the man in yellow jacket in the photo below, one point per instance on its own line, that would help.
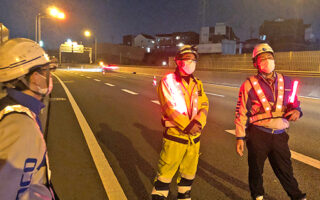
(184, 108)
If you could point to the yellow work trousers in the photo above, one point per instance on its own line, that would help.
(174, 156)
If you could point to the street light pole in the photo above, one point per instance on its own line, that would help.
(95, 48)
(53, 13)
(88, 34)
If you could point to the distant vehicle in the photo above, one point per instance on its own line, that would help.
(107, 67)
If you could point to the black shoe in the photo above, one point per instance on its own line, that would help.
(157, 197)
(185, 195)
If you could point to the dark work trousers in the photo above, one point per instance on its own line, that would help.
(262, 145)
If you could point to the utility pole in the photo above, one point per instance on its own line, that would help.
(203, 12)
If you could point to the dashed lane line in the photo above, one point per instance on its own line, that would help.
(156, 102)
(108, 178)
(88, 77)
(295, 155)
(97, 80)
(213, 94)
(130, 92)
(109, 84)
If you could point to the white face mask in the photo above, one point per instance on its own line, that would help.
(267, 66)
(189, 67)
(45, 91)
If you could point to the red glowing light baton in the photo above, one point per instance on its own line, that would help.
(294, 92)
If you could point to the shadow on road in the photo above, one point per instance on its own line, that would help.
(129, 159)
(205, 170)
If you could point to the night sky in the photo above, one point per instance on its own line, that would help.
(111, 19)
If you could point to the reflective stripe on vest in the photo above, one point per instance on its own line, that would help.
(263, 100)
(16, 108)
(178, 99)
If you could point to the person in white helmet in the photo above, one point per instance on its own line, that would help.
(184, 109)
(25, 74)
(263, 113)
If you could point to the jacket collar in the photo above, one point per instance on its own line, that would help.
(26, 100)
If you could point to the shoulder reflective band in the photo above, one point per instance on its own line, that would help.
(176, 94)
(16, 108)
(265, 104)
(294, 92)
(260, 94)
(280, 93)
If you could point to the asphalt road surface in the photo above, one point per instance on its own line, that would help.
(124, 116)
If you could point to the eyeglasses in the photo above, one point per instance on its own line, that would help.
(189, 60)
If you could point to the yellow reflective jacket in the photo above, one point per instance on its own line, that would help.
(176, 113)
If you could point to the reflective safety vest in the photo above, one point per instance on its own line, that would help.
(182, 102)
(18, 109)
(24, 110)
(178, 100)
(269, 111)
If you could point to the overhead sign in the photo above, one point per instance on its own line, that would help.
(71, 47)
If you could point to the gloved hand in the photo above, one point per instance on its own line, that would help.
(193, 128)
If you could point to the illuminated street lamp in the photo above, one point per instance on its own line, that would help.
(88, 34)
(52, 12)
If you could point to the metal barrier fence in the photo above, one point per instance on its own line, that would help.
(303, 61)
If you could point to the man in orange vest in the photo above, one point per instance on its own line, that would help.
(262, 116)
(184, 108)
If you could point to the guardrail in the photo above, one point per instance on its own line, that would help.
(301, 61)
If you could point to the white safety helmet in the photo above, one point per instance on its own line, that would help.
(18, 56)
(259, 49)
(187, 49)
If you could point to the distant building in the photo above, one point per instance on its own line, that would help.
(309, 36)
(176, 39)
(284, 34)
(181, 38)
(128, 40)
(218, 39)
(144, 41)
(248, 45)
(217, 33)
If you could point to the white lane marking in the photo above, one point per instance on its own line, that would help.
(233, 132)
(130, 92)
(295, 155)
(57, 99)
(310, 97)
(222, 85)
(81, 75)
(108, 178)
(218, 95)
(88, 77)
(109, 84)
(97, 80)
(119, 76)
(156, 102)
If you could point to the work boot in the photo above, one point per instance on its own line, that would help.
(186, 195)
(157, 197)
